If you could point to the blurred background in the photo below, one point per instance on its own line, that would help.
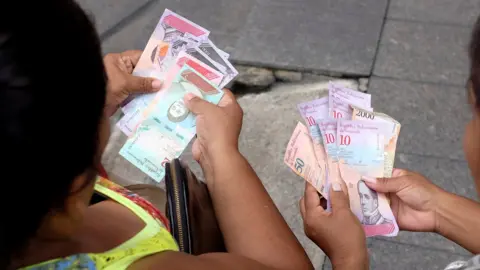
(411, 55)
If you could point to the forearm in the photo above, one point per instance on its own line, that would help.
(251, 224)
(458, 220)
(360, 262)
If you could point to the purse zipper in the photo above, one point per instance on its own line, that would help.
(176, 194)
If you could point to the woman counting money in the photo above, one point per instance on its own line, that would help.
(418, 205)
(54, 105)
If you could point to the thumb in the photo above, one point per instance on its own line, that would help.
(339, 196)
(197, 105)
(138, 85)
(386, 185)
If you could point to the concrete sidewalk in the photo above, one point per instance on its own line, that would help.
(337, 36)
(412, 51)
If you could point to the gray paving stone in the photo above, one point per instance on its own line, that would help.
(304, 37)
(432, 115)
(387, 255)
(107, 13)
(254, 76)
(452, 175)
(423, 52)
(288, 76)
(393, 256)
(367, 7)
(225, 19)
(336, 36)
(462, 12)
(427, 241)
(133, 36)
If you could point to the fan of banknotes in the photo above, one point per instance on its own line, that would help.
(343, 140)
(158, 125)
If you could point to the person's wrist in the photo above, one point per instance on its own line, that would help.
(218, 153)
(217, 156)
(219, 149)
(443, 201)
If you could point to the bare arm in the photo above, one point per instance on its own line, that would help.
(211, 261)
(251, 224)
(458, 219)
(256, 236)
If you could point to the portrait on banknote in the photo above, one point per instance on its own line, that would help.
(168, 125)
(369, 205)
(177, 112)
(371, 208)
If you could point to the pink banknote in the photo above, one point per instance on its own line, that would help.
(360, 144)
(174, 25)
(328, 128)
(372, 208)
(362, 99)
(300, 157)
(391, 135)
(312, 112)
(172, 35)
(341, 99)
(340, 107)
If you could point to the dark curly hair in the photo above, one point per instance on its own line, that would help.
(474, 53)
(52, 94)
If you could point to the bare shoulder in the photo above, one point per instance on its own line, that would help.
(171, 260)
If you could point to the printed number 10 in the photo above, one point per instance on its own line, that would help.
(311, 121)
(345, 140)
(337, 115)
(329, 138)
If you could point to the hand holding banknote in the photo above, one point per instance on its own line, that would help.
(218, 126)
(338, 233)
(413, 199)
(121, 82)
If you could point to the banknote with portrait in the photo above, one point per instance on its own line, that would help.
(168, 125)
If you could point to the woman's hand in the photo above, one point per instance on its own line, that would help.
(339, 232)
(413, 199)
(218, 127)
(121, 82)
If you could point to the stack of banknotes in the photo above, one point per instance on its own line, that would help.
(159, 126)
(344, 139)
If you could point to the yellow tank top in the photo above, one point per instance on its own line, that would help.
(153, 238)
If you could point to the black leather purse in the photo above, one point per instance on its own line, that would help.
(190, 211)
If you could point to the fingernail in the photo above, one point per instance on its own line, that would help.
(369, 179)
(189, 96)
(336, 187)
(156, 84)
